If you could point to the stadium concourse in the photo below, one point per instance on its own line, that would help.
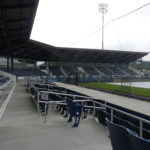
(21, 128)
(37, 113)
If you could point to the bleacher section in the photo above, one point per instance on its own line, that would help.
(3, 79)
(56, 71)
(73, 108)
(91, 71)
(119, 72)
(105, 71)
(35, 72)
(69, 70)
(26, 72)
(72, 104)
(130, 72)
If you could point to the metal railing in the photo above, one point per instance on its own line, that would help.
(94, 101)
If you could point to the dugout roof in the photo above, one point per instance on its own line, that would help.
(16, 21)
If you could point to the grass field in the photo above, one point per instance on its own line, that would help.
(117, 88)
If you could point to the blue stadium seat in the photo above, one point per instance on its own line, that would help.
(101, 114)
(75, 110)
(119, 136)
(146, 134)
(126, 124)
(138, 143)
(26, 72)
(132, 125)
(85, 110)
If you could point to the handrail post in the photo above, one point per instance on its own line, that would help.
(38, 104)
(74, 97)
(82, 110)
(94, 111)
(141, 128)
(105, 105)
(29, 87)
(45, 115)
(112, 115)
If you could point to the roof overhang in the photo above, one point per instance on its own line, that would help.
(16, 21)
(40, 51)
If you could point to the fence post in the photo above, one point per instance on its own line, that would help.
(29, 88)
(94, 111)
(112, 115)
(38, 105)
(141, 128)
(45, 115)
(105, 104)
(82, 110)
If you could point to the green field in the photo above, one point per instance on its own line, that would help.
(117, 88)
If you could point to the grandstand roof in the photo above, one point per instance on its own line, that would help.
(41, 51)
(16, 21)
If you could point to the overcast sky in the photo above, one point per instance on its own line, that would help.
(77, 23)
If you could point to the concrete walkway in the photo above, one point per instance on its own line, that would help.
(20, 129)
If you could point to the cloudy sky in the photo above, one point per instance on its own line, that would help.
(77, 23)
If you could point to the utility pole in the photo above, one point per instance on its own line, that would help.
(103, 9)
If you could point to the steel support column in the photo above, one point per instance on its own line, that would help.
(12, 63)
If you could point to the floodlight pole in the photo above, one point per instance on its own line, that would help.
(103, 8)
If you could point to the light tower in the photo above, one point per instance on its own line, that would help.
(103, 8)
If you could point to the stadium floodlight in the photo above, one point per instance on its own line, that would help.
(103, 9)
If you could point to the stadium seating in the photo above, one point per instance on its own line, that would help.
(67, 106)
(26, 72)
(119, 72)
(104, 70)
(3, 79)
(85, 110)
(138, 143)
(126, 124)
(91, 71)
(69, 70)
(131, 124)
(89, 74)
(75, 110)
(34, 72)
(119, 136)
(63, 106)
(126, 139)
(123, 120)
(56, 71)
(129, 71)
